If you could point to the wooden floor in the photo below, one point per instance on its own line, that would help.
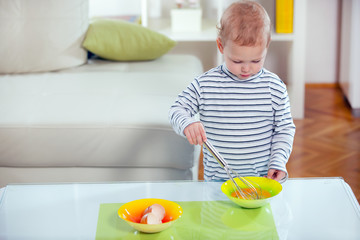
(327, 140)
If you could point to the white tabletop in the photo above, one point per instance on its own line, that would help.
(320, 208)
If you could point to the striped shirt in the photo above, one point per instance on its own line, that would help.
(248, 121)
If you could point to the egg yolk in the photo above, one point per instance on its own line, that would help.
(261, 192)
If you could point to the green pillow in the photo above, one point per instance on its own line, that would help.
(119, 40)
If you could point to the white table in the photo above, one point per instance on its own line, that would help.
(311, 208)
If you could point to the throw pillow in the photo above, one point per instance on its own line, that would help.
(119, 40)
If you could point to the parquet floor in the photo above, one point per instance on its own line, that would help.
(327, 140)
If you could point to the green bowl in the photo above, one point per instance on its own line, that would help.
(270, 185)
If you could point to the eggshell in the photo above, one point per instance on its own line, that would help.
(156, 209)
(150, 218)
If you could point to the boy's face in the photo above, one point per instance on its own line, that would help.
(243, 61)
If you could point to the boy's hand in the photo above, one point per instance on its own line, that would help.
(195, 133)
(276, 174)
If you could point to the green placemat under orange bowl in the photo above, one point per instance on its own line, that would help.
(200, 220)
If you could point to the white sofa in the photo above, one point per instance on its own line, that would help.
(98, 121)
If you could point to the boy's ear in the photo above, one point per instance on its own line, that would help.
(220, 45)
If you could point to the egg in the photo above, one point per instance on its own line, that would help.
(261, 193)
(150, 218)
(157, 209)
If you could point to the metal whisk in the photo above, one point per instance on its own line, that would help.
(253, 193)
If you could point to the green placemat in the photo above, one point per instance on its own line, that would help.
(200, 220)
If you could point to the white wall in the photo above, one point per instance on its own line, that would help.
(350, 54)
(322, 41)
(114, 7)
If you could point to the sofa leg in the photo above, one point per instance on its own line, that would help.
(201, 166)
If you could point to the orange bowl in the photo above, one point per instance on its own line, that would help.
(132, 211)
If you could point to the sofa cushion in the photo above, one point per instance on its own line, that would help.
(42, 35)
(120, 40)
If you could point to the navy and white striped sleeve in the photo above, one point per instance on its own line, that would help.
(182, 112)
(284, 128)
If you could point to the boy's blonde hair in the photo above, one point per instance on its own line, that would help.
(246, 23)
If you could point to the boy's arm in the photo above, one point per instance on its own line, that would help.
(182, 112)
(283, 135)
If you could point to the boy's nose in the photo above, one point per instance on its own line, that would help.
(245, 67)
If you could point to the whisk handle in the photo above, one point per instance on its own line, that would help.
(216, 154)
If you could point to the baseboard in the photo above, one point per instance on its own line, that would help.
(322, 85)
(355, 112)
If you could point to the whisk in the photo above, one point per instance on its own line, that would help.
(254, 191)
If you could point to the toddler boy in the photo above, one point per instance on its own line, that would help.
(244, 109)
